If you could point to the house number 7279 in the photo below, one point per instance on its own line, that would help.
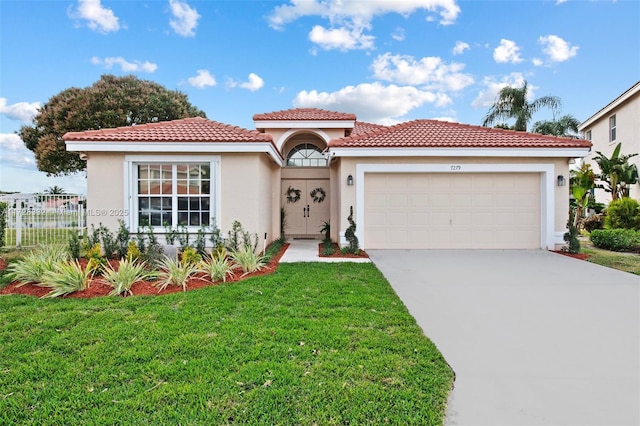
(456, 168)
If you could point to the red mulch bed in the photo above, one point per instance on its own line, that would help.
(97, 288)
(338, 253)
(580, 256)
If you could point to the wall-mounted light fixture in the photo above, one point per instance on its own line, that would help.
(561, 180)
(83, 156)
(349, 180)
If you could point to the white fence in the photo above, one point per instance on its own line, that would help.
(40, 219)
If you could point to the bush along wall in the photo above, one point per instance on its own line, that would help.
(616, 239)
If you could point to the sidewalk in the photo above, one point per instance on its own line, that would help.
(307, 251)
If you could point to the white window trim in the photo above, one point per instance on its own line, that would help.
(548, 237)
(612, 128)
(131, 219)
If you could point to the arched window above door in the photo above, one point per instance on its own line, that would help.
(306, 155)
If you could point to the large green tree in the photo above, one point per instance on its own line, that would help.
(616, 172)
(513, 103)
(565, 126)
(110, 102)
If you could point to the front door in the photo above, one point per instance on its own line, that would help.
(306, 206)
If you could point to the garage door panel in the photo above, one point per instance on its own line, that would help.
(443, 210)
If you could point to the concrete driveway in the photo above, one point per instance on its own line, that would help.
(535, 338)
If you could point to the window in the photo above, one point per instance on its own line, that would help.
(588, 135)
(612, 128)
(306, 155)
(172, 194)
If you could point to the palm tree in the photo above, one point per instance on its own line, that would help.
(566, 126)
(616, 172)
(54, 190)
(512, 103)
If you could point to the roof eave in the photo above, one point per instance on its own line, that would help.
(610, 106)
(183, 147)
(563, 152)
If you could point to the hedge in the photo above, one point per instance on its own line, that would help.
(616, 239)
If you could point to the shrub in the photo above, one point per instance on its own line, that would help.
(73, 245)
(109, 242)
(350, 235)
(571, 238)
(3, 222)
(174, 272)
(325, 229)
(217, 267)
(238, 239)
(623, 213)
(592, 222)
(133, 252)
(616, 239)
(128, 272)
(151, 251)
(33, 266)
(215, 237)
(66, 277)
(122, 239)
(200, 244)
(94, 256)
(191, 256)
(248, 260)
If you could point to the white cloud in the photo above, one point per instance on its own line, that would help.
(98, 18)
(537, 62)
(460, 47)
(341, 38)
(431, 71)
(254, 83)
(508, 51)
(21, 111)
(398, 34)
(185, 18)
(126, 66)
(557, 49)
(14, 151)
(360, 11)
(202, 80)
(560, 1)
(348, 19)
(488, 95)
(371, 102)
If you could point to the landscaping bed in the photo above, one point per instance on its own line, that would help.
(337, 252)
(97, 287)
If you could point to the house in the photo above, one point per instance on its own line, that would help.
(618, 122)
(418, 184)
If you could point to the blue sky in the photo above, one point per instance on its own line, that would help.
(387, 61)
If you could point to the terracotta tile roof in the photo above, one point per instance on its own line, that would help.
(362, 127)
(195, 129)
(442, 134)
(304, 114)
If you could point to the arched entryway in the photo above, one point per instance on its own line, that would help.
(305, 186)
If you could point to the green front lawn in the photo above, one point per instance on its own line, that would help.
(627, 262)
(309, 344)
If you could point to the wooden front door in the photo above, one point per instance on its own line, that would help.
(306, 205)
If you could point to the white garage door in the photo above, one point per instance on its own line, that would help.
(452, 211)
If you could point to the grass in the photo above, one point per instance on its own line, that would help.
(627, 262)
(309, 344)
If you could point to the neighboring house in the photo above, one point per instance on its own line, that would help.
(419, 184)
(618, 122)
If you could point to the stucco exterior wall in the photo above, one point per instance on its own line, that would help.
(105, 189)
(347, 166)
(627, 132)
(246, 195)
